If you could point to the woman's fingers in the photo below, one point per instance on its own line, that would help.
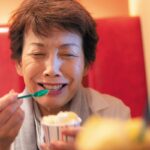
(10, 130)
(9, 110)
(71, 131)
(11, 118)
(61, 145)
(58, 145)
(7, 99)
(44, 147)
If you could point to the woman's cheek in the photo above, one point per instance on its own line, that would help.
(78, 69)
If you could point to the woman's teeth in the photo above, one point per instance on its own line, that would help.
(53, 88)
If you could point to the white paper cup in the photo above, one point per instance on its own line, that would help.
(53, 132)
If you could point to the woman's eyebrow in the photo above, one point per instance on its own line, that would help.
(69, 44)
(37, 44)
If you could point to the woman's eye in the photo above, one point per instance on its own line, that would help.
(38, 55)
(69, 55)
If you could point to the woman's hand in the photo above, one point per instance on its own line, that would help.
(11, 119)
(61, 145)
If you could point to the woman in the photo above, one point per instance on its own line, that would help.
(53, 43)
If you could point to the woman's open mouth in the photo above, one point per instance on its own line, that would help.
(53, 88)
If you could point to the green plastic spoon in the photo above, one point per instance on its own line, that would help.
(36, 94)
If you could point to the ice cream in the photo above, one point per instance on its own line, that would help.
(61, 119)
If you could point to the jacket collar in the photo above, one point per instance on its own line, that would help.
(96, 100)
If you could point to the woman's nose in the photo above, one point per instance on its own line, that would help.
(52, 66)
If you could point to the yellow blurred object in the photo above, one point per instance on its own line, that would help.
(112, 134)
(133, 127)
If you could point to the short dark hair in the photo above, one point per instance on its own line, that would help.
(42, 15)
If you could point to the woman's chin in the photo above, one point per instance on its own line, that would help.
(48, 108)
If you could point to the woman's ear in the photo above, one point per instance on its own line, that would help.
(18, 66)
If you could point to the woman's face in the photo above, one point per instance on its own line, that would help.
(56, 63)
